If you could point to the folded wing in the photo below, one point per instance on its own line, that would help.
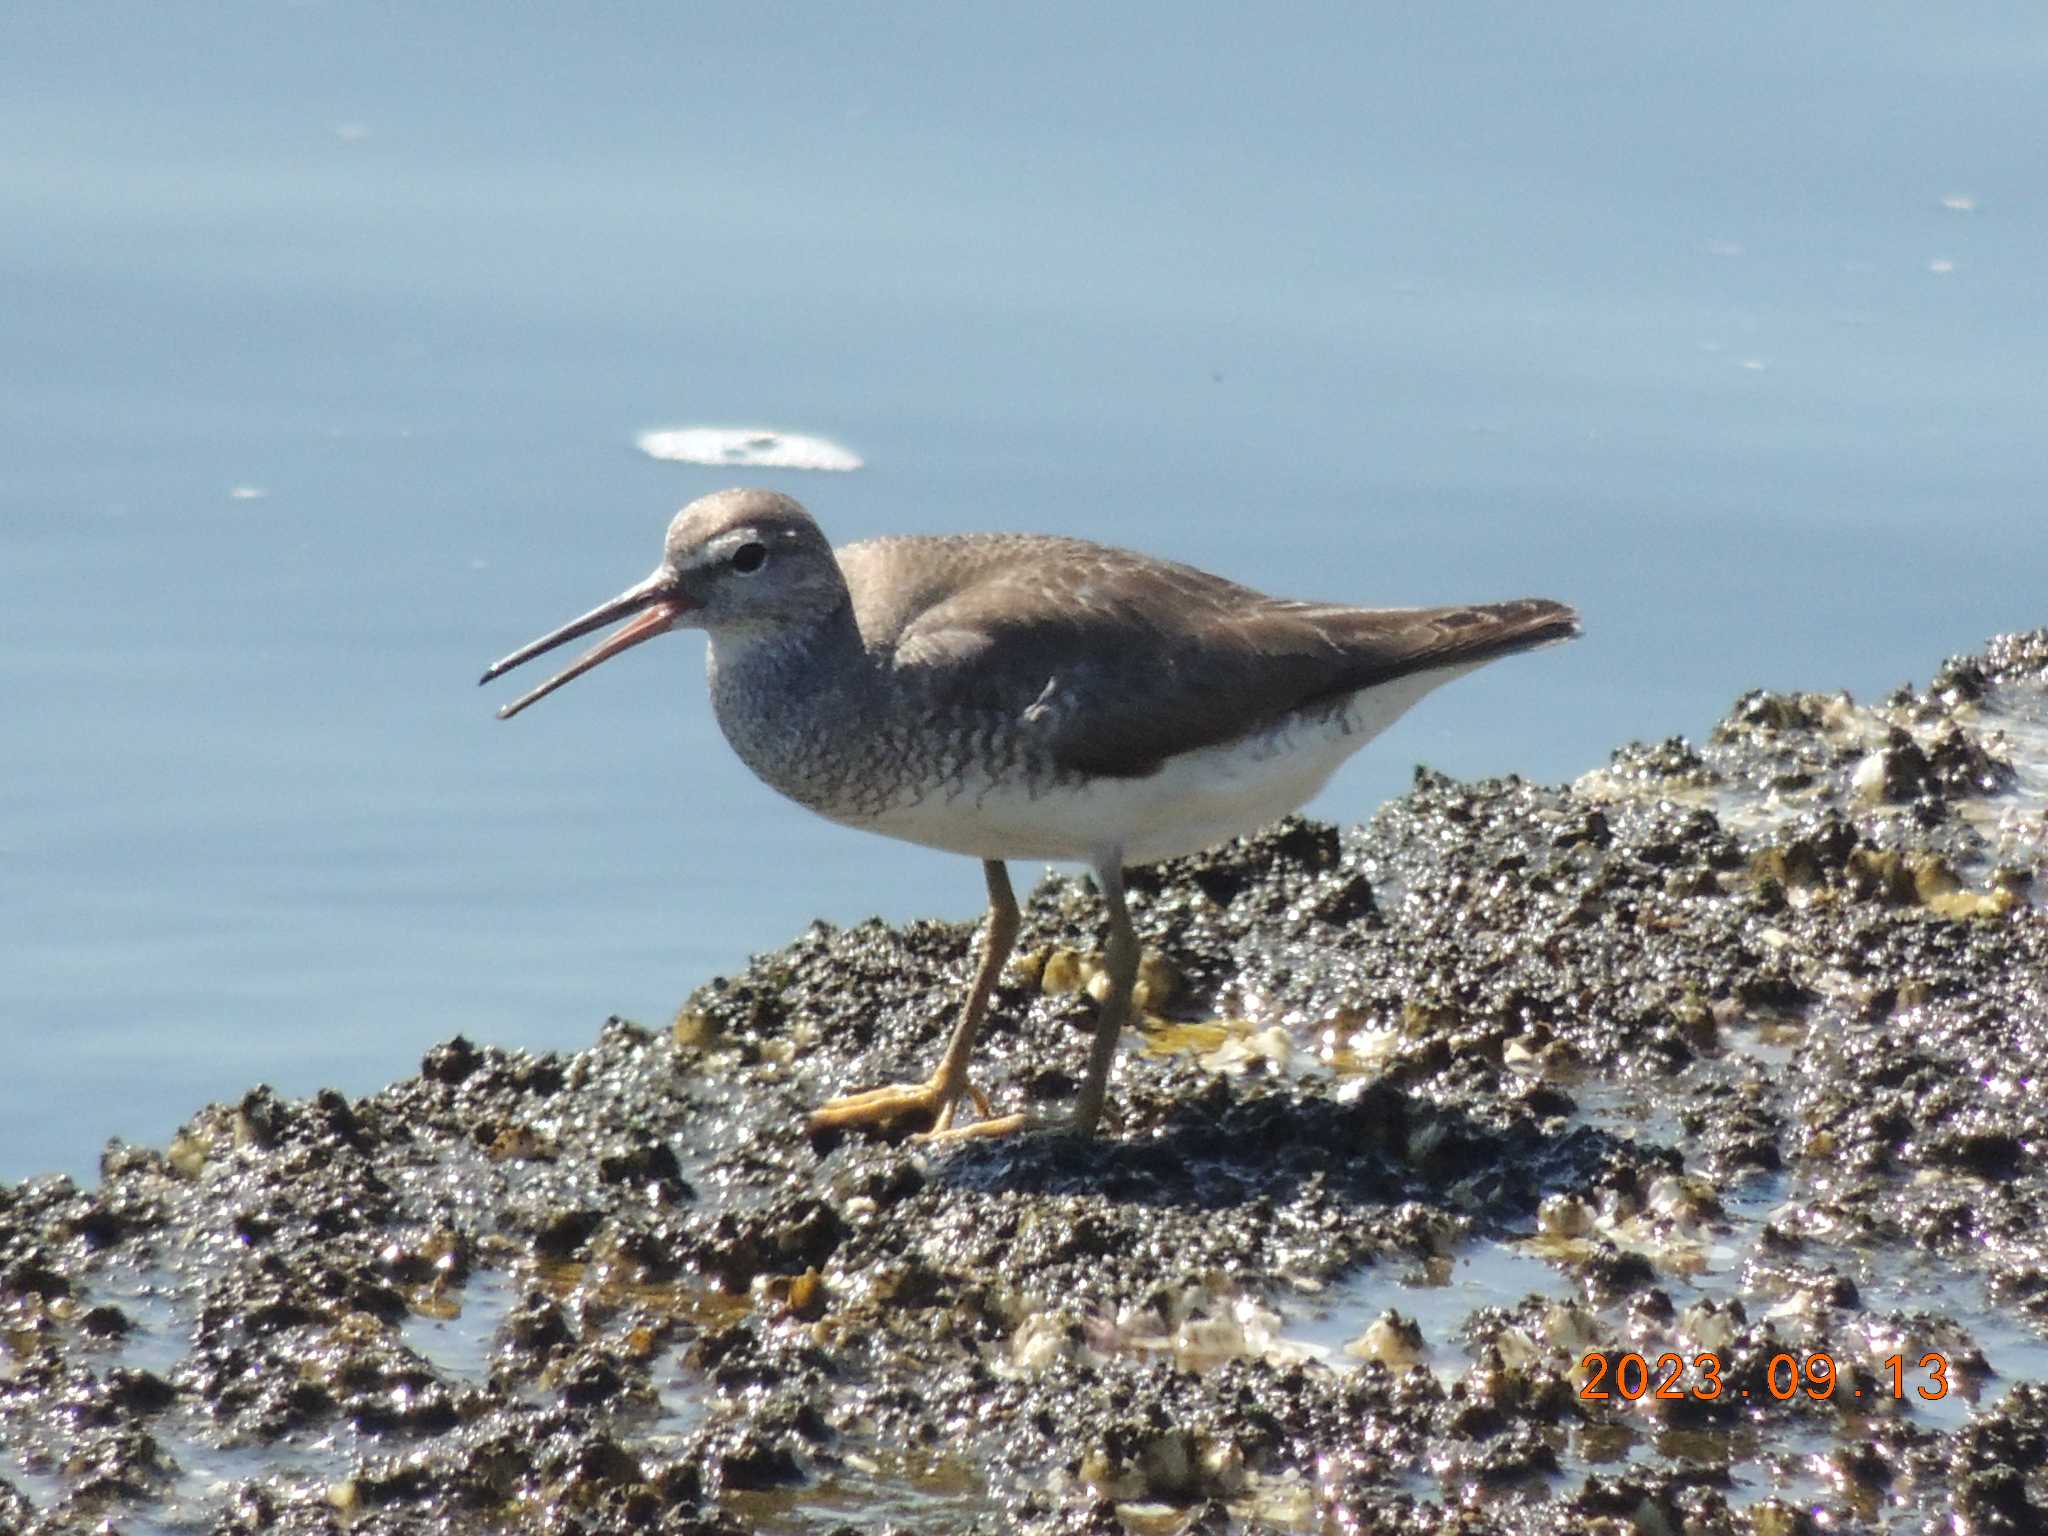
(1116, 662)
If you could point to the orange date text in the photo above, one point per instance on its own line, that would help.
(1631, 1377)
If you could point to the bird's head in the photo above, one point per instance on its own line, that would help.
(733, 561)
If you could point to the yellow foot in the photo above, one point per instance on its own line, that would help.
(986, 1126)
(881, 1108)
(1073, 1123)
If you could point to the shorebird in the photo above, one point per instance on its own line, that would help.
(1023, 696)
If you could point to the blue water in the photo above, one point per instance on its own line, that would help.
(1724, 324)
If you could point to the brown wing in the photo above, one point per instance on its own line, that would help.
(1117, 662)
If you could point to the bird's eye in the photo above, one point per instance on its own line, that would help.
(749, 558)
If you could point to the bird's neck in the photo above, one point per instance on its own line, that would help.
(779, 650)
(785, 696)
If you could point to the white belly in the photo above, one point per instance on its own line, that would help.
(1193, 802)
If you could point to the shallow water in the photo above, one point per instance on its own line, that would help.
(336, 329)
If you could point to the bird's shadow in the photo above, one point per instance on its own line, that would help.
(1231, 1143)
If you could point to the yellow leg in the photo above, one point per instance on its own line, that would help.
(1120, 960)
(935, 1100)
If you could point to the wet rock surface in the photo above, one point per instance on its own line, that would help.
(1663, 1152)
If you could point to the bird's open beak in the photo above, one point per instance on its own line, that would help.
(652, 607)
